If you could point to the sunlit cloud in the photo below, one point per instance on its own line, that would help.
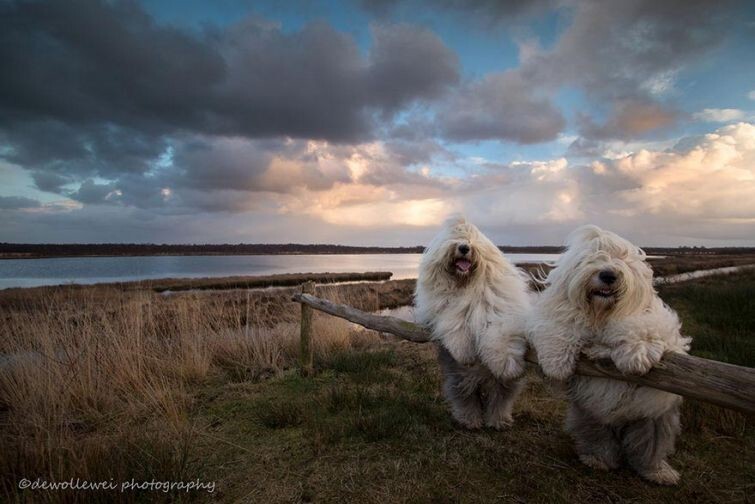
(713, 178)
(719, 115)
(270, 128)
(382, 214)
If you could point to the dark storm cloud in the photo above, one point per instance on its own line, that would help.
(49, 182)
(421, 151)
(405, 62)
(304, 84)
(500, 106)
(246, 165)
(17, 202)
(315, 84)
(83, 150)
(88, 61)
(92, 88)
(496, 11)
(95, 62)
(629, 119)
(91, 192)
(223, 164)
(487, 12)
(626, 55)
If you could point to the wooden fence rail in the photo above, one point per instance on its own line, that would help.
(707, 380)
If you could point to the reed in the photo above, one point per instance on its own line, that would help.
(99, 383)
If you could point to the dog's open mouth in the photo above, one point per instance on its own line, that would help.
(463, 266)
(604, 293)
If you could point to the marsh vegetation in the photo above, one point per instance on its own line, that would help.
(100, 383)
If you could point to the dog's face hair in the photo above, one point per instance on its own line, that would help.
(603, 274)
(461, 263)
(457, 253)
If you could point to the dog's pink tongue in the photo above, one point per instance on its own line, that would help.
(463, 264)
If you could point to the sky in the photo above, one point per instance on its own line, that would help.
(369, 122)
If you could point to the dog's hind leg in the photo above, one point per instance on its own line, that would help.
(500, 402)
(647, 443)
(596, 443)
(461, 389)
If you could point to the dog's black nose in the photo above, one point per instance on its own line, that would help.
(607, 277)
(464, 249)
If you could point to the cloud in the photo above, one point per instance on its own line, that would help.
(235, 174)
(17, 202)
(751, 95)
(497, 11)
(315, 84)
(712, 178)
(90, 192)
(624, 49)
(719, 115)
(111, 63)
(624, 56)
(627, 55)
(379, 7)
(406, 62)
(49, 182)
(629, 119)
(382, 214)
(500, 106)
(700, 190)
(253, 128)
(125, 86)
(223, 105)
(486, 12)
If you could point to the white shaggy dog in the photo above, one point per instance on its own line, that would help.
(600, 302)
(475, 302)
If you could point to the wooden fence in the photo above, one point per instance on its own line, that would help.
(707, 380)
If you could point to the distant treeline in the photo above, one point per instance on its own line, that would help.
(148, 249)
(31, 250)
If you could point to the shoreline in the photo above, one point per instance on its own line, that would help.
(204, 254)
(42, 251)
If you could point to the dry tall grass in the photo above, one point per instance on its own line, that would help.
(96, 383)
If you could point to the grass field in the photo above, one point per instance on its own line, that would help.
(105, 384)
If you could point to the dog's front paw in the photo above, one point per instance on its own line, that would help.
(500, 422)
(596, 462)
(558, 369)
(597, 351)
(471, 420)
(664, 474)
(512, 367)
(638, 357)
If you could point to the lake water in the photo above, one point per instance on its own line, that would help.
(90, 270)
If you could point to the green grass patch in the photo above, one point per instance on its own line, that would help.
(371, 426)
(364, 396)
(719, 314)
(357, 363)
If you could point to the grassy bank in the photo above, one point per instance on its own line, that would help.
(105, 383)
(719, 313)
(673, 264)
(252, 282)
(676, 264)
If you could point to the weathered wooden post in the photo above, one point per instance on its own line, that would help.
(306, 350)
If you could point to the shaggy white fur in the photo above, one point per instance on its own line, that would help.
(600, 302)
(475, 302)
